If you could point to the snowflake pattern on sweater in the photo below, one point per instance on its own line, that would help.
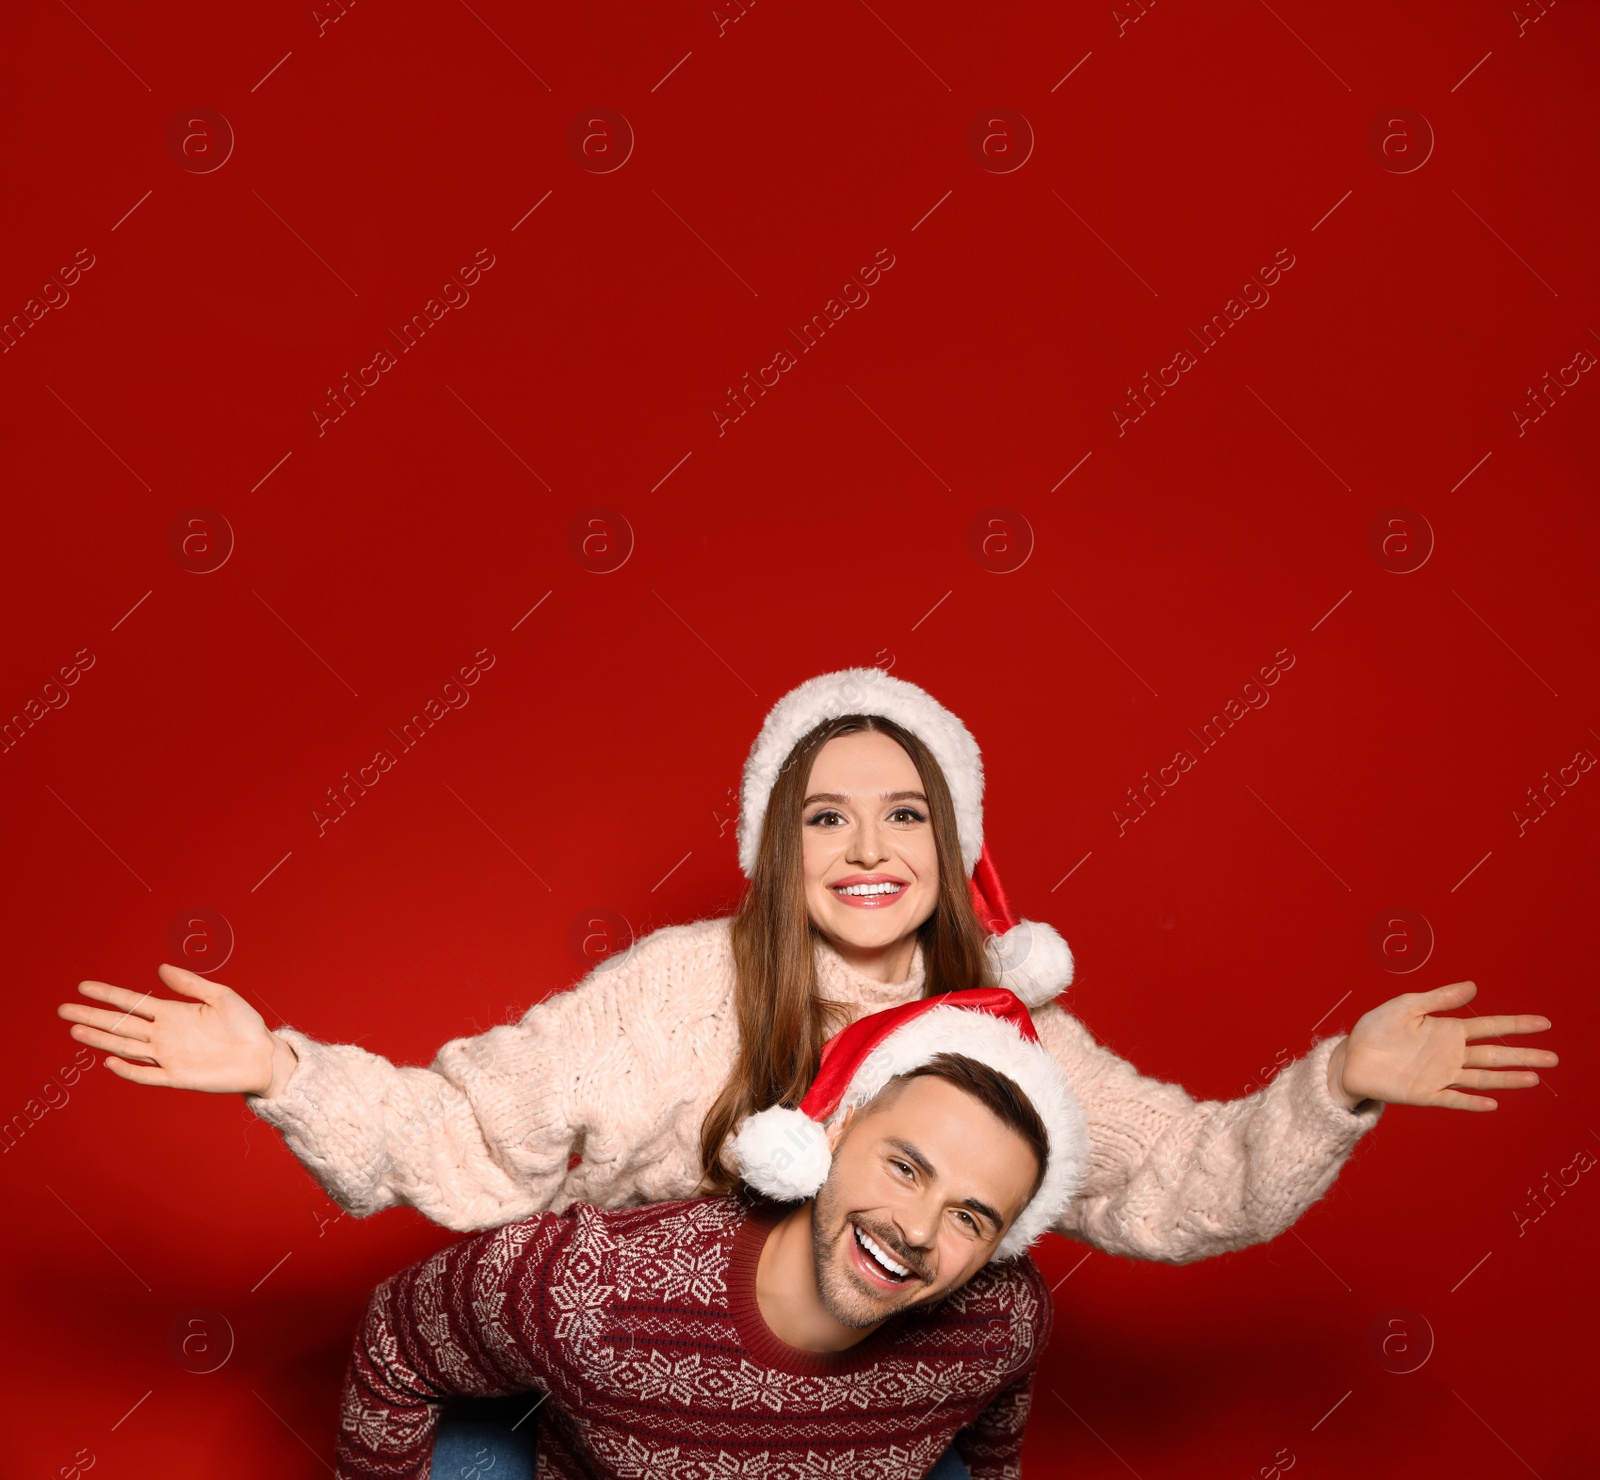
(640, 1328)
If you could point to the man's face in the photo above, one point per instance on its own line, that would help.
(924, 1183)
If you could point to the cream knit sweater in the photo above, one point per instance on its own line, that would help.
(622, 1069)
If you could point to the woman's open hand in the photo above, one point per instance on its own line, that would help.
(218, 1042)
(1397, 1053)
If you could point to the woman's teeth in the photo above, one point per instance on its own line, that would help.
(876, 1252)
(869, 888)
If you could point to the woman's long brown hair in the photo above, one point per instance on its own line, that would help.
(783, 1020)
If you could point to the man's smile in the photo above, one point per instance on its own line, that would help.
(877, 1264)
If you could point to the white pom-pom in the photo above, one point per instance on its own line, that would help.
(1032, 960)
(783, 1153)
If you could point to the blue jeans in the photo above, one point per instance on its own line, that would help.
(486, 1439)
(493, 1439)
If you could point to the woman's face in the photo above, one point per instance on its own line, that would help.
(871, 866)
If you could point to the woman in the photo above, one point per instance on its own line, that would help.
(860, 825)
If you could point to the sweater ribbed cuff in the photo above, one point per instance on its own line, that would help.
(1320, 1111)
(279, 1108)
(326, 1120)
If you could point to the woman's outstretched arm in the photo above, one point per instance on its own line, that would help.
(1178, 1179)
(486, 1133)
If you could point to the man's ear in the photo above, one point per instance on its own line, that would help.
(837, 1130)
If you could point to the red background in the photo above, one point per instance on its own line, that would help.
(827, 527)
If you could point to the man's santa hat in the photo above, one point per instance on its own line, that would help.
(1030, 958)
(784, 1153)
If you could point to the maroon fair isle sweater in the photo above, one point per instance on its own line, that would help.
(640, 1326)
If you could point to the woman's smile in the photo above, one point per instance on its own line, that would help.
(869, 891)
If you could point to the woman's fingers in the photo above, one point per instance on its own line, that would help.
(1442, 999)
(1499, 1027)
(214, 1041)
(1450, 1099)
(1500, 1056)
(1495, 1079)
(139, 1073)
(120, 997)
(189, 983)
(131, 1048)
(128, 1024)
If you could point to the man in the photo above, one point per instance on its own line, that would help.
(856, 1333)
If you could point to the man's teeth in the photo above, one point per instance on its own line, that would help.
(876, 1251)
(870, 889)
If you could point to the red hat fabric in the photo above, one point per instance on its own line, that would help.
(988, 898)
(784, 1153)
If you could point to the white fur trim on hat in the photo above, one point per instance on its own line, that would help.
(1032, 960)
(863, 691)
(781, 1158)
(790, 1149)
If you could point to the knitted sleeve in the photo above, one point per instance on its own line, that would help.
(486, 1134)
(442, 1328)
(1178, 1179)
(991, 1445)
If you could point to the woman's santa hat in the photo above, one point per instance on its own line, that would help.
(1030, 958)
(784, 1153)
